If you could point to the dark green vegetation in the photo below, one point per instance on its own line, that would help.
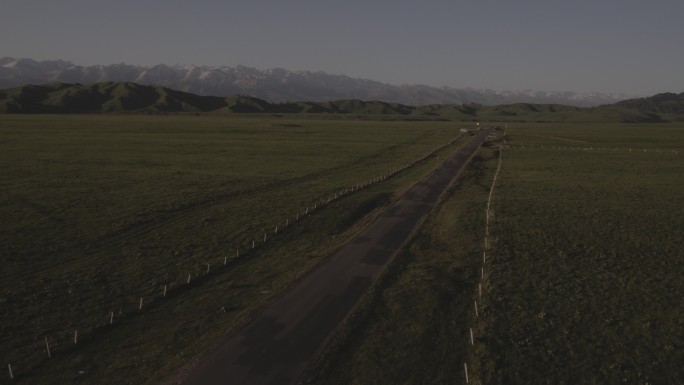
(100, 210)
(665, 103)
(585, 282)
(582, 283)
(112, 97)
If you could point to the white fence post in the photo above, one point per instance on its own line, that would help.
(47, 347)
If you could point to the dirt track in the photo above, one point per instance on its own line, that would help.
(277, 346)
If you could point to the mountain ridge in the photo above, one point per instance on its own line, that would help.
(276, 85)
(128, 97)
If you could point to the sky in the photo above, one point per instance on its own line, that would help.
(617, 46)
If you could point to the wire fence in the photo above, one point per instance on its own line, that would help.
(478, 308)
(633, 150)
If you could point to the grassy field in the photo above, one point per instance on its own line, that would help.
(99, 211)
(583, 280)
(582, 283)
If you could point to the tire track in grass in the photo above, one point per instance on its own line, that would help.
(138, 230)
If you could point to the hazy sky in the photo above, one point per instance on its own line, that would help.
(634, 47)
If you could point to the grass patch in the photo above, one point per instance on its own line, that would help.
(585, 282)
(101, 210)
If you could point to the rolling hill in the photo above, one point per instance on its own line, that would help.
(125, 97)
(666, 104)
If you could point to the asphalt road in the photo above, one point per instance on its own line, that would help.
(276, 347)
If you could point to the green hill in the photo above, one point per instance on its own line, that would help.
(103, 97)
(120, 97)
(669, 105)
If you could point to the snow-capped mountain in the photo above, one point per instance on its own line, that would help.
(277, 85)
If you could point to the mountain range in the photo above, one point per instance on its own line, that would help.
(124, 97)
(277, 85)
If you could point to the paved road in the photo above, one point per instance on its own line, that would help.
(277, 346)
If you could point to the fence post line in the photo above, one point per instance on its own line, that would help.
(141, 303)
(189, 277)
(164, 291)
(472, 338)
(75, 337)
(9, 366)
(225, 260)
(465, 366)
(208, 266)
(111, 317)
(476, 312)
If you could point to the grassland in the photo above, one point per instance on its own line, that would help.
(585, 280)
(99, 211)
(582, 283)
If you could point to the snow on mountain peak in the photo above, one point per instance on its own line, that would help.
(276, 84)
